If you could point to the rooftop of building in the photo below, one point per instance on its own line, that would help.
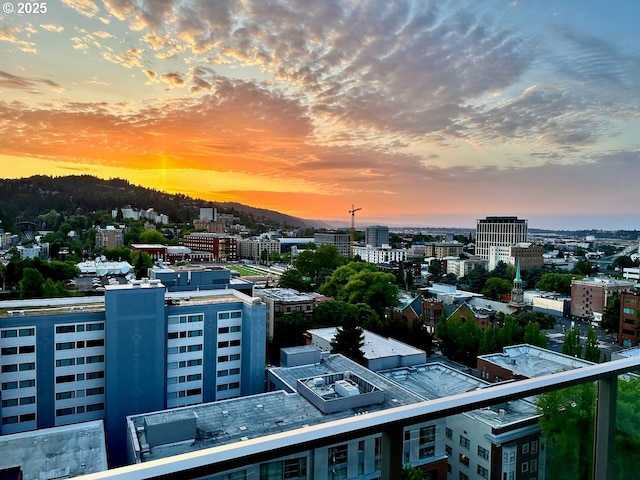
(374, 346)
(58, 452)
(238, 419)
(289, 240)
(435, 380)
(285, 295)
(607, 281)
(530, 361)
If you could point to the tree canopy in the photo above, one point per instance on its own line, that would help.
(349, 341)
(556, 282)
(311, 262)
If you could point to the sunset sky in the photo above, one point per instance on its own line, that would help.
(430, 113)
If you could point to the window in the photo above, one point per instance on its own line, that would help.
(95, 407)
(483, 452)
(65, 395)
(223, 330)
(427, 434)
(95, 359)
(27, 332)
(27, 400)
(426, 452)
(223, 344)
(449, 433)
(9, 420)
(236, 314)
(195, 318)
(27, 366)
(223, 387)
(234, 343)
(27, 417)
(195, 333)
(534, 446)
(534, 465)
(233, 385)
(338, 455)
(483, 472)
(28, 383)
(194, 391)
(194, 363)
(27, 349)
(193, 378)
(234, 357)
(9, 351)
(236, 328)
(65, 378)
(9, 385)
(525, 467)
(629, 311)
(94, 391)
(463, 476)
(80, 344)
(65, 345)
(223, 358)
(463, 459)
(223, 316)
(223, 373)
(464, 441)
(172, 335)
(525, 448)
(234, 371)
(448, 450)
(8, 334)
(91, 327)
(95, 343)
(65, 329)
(10, 368)
(12, 402)
(61, 412)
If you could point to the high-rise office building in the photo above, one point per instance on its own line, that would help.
(377, 235)
(499, 232)
(342, 241)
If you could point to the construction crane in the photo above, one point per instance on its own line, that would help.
(353, 225)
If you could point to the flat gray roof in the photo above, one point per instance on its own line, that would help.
(229, 421)
(531, 362)
(436, 380)
(70, 450)
(374, 346)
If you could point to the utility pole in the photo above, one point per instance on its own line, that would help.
(353, 225)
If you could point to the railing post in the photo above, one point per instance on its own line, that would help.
(605, 428)
(392, 444)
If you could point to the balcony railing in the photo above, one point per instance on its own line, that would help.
(390, 423)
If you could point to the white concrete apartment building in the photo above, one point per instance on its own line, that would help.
(384, 254)
(499, 232)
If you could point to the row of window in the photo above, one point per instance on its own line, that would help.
(231, 329)
(80, 393)
(533, 449)
(79, 377)
(227, 386)
(226, 315)
(19, 384)
(226, 373)
(68, 362)
(184, 349)
(20, 332)
(173, 320)
(18, 367)
(18, 350)
(94, 407)
(228, 358)
(14, 402)
(89, 327)
(229, 343)
(25, 417)
(184, 378)
(190, 333)
(192, 392)
(98, 342)
(184, 364)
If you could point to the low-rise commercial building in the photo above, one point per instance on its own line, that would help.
(590, 295)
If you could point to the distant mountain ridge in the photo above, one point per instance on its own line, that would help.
(26, 198)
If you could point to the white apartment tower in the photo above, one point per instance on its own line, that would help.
(499, 232)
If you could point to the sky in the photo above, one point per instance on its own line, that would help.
(422, 113)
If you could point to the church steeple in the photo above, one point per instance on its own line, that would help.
(517, 294)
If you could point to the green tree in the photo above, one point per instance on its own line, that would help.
(360, 282)
(31, 284)
(591, 349)
(571, 345)
(477, 278)
(623, 261)
(331, 313)
(611, 315)
(349, 341)
(567, 419)
(292, 278)
(142, 262)
(310, 262)
(495, 287)
(152, 236)
(533, 335)
(583, 267)
(556, 282)
(410, 473)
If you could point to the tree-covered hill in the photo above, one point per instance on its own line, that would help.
(26, 198)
